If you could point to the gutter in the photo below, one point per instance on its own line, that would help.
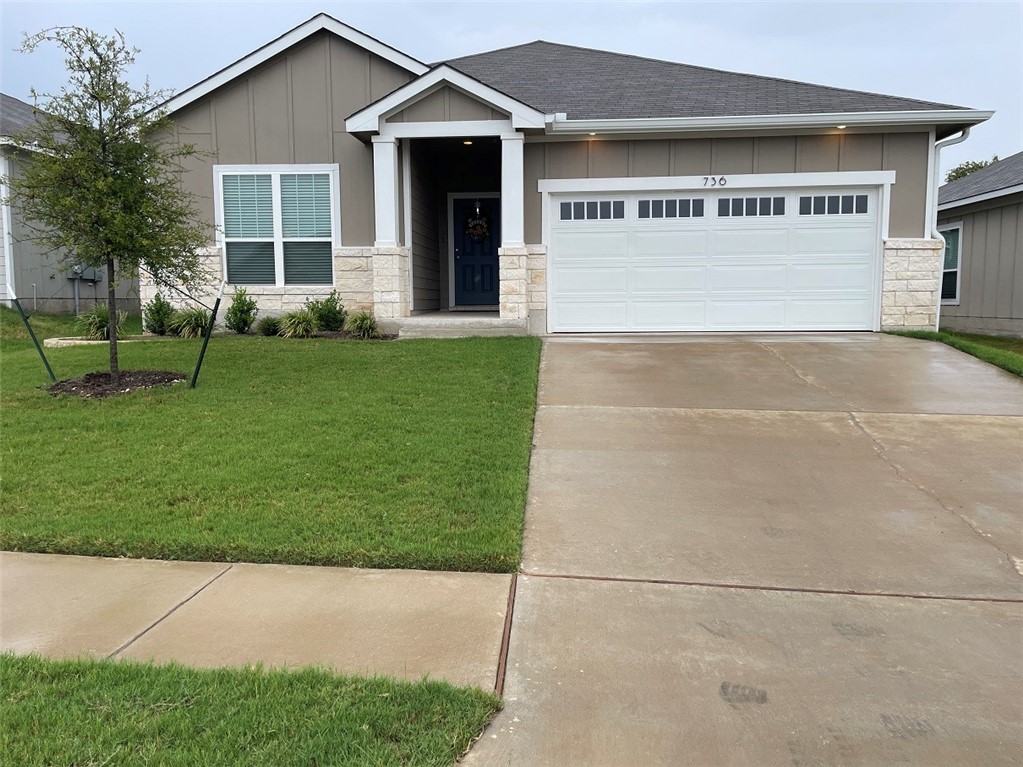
(559, 122)
(932, 207)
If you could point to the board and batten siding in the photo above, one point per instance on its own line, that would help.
(905, 153)
(426, 277)
(292, 110)
(990, 267)
(446, 104)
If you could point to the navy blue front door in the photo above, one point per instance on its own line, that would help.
(477, 232)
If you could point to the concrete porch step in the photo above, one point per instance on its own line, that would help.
(453, 325)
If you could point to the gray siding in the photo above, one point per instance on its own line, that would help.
(292, 109)
(444, 105)
(41, 282)
(426, 217)
(991, 267)
(905, 153)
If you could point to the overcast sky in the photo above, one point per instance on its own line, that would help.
(964, 53)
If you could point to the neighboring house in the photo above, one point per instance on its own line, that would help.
(564, 189)
(39, 281)
(981, 219)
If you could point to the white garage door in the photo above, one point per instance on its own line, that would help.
(718, 261)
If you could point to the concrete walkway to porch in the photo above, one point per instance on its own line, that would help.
(399, 623)
(453, 325)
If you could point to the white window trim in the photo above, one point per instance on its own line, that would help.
(957, 225)
(334, 172)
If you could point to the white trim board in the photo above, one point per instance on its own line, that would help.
(732, 181)
(316, 24)
(452, 196)
(8, 225)
(559, 122)
(368, 119)
(981, 197)
(453, 129)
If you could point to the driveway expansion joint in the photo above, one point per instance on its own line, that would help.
(166, 615)
(882, 453)
(761, 587)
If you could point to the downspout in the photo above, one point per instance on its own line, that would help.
(932, 207)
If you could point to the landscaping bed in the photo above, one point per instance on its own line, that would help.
(408, 455)
(105, 712)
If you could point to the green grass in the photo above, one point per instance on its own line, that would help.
(116, 713)
(52, 325)
(1006, 353)
(410, 454)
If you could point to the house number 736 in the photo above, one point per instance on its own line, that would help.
(714, 181)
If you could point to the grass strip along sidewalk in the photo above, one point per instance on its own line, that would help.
(388, 454)
(106, 712)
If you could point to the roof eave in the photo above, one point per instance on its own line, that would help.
(561, 125)
(316, 24)
(952, 204)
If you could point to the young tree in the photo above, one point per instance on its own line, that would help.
(964, 169)
(103, 190)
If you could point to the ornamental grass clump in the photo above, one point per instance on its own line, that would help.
(363, 325)
(298, 324)
(190, 323)
(95, 323)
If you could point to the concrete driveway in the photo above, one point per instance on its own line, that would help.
(779, 549)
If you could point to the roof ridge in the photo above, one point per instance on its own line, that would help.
(722, 71)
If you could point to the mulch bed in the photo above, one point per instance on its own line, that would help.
(97, 385)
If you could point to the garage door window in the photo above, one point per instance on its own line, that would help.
(833, 205)
(750, 206)
(673, 208)
(593, 210)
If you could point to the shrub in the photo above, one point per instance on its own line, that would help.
(269, 326)
(363, 325)
(157, 315)
(329, 313)
(298, 324)
(190, 323)
(242, 312)
(95, 323)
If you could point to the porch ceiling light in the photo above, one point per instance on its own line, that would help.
(840, 127)
(593, 134)
(467, 142)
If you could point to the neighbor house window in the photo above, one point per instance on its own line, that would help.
(953, 235)
(279, 224)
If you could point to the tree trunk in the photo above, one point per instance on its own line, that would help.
(115, 373)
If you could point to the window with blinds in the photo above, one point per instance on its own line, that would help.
(279, 226)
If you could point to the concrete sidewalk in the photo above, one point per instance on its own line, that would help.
(399, 623)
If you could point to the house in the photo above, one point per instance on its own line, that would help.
(562, 189)
(981, 218)
(39, 280)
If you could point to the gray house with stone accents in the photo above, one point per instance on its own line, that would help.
(546, 188)
(981, 218)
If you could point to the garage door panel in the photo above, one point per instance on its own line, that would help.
(841, 240)
(589, 315)
(594, 280)
(660, 279)
(677, 244)
(669, 315)
(751, 242)
(589, 245)
(748, 277)
(839, 276)
(830, 313)
(749, 313)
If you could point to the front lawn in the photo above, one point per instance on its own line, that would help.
(94, 713)
(410, 454)
(1006, 353)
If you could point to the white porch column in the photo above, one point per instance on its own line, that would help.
(512, 198)
(385, 190)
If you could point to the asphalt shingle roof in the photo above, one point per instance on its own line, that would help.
(15, 115)
(592, 84)
(998, 175)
